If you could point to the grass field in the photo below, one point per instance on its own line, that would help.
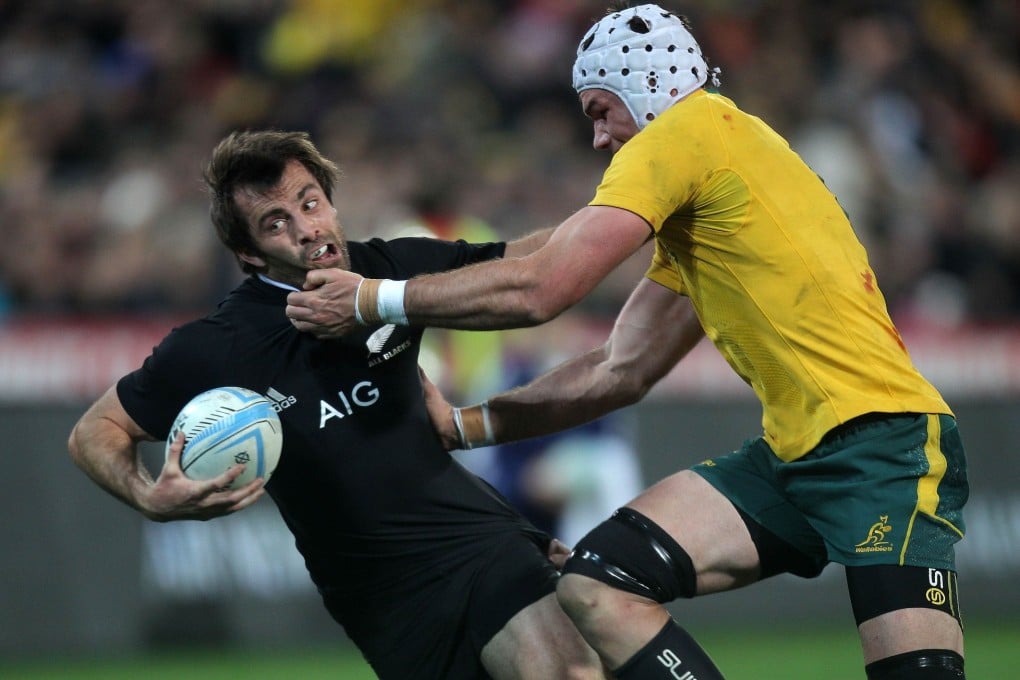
(993, 653)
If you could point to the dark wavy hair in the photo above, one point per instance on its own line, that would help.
(256, 160)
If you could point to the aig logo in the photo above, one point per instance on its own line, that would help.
(362, 395)
(936, 594)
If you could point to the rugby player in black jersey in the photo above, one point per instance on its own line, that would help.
(429, 570)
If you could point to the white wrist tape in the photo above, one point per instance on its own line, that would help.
(458, 425)
(391, 302)
(357, 305)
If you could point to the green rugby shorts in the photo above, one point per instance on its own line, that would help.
(879, 489)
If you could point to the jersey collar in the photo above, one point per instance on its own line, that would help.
(278, 284)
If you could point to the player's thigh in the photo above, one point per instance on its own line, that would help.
(540, 642)
(907, 630)
(707, 526)
(901, 609)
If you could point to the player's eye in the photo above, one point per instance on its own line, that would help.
(311, 204)
(276, 226)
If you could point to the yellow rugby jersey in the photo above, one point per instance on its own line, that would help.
(779, 280)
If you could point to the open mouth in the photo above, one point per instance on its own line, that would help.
(325, 250)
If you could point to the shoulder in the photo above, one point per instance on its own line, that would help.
(203, 342)
(211, 335)
(403, 258)
(697, 115)
(179, 366)
(695, 135)
(702, 103)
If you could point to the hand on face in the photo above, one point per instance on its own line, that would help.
(326, 306)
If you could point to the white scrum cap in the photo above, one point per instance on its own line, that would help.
(645, 56)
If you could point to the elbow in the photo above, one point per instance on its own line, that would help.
(631, 390)
(629, 383)
(538, 311)
(641, 391)
(544, 300)
(541, 287)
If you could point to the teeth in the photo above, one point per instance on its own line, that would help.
(319, 252)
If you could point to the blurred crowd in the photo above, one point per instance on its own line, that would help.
(446, 113)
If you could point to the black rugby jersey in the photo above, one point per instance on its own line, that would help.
(376, 506)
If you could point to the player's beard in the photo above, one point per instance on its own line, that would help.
(292, 269)
(343, 253)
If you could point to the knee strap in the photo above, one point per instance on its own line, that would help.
(632, 553)
(930, 664)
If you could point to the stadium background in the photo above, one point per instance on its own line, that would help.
(455, 118)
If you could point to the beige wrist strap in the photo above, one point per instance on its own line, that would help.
(474, 426)
(366, 302)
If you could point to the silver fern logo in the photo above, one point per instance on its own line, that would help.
(377, 340)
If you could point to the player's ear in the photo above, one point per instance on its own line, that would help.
(252, 259)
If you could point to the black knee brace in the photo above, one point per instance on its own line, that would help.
(630, 552)
(930, 664)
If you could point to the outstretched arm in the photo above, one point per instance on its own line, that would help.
(104, 444)
(655, 329)
(509, 293)
(526, 245)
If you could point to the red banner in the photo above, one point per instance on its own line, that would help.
(62, 359)
(72, 360)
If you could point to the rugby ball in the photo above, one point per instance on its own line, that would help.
(226, 426)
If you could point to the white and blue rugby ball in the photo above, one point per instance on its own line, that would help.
(226, 426)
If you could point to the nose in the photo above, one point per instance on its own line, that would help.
(305, 229)
(601, 139)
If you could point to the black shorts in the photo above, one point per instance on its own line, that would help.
(437, 627)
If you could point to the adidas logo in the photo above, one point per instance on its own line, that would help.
(280, 401)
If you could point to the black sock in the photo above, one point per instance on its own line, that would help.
(930, 664)
(671, 654)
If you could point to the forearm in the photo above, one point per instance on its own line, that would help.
(508, 296)
(654, 331)
(492, 295)
(515, 291)
(576, 392)
(104, 444)
(528, 244)
(109, 456)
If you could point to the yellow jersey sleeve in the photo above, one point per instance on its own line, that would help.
(779, 280)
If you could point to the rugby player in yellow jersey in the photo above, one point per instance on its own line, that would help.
(860, 461)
